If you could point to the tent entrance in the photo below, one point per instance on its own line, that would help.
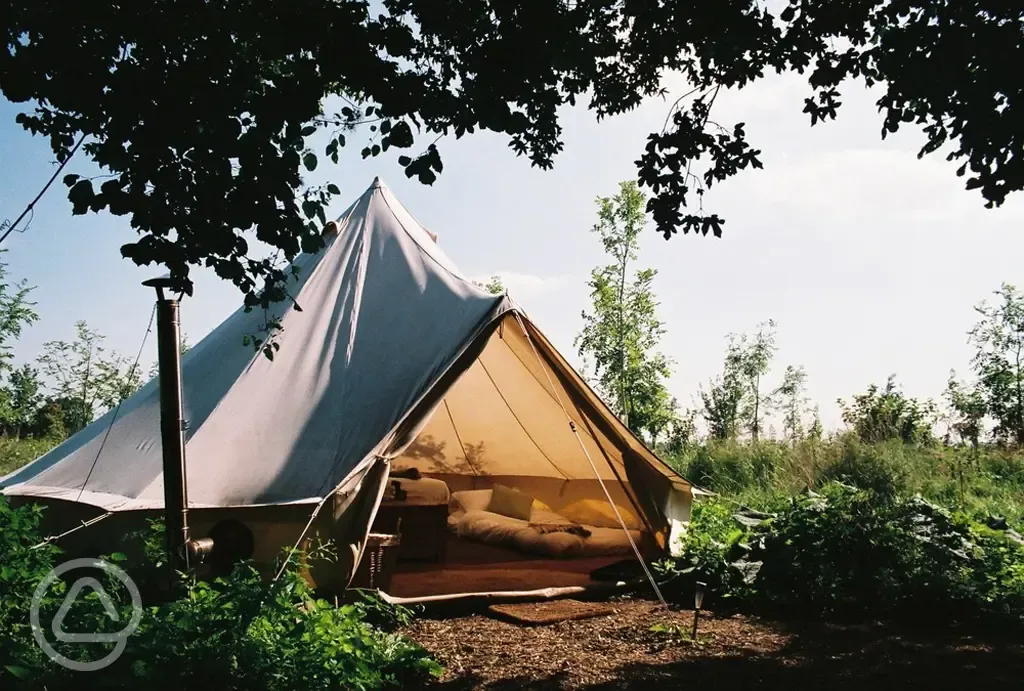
(503, 426)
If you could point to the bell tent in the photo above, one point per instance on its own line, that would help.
(404, 399)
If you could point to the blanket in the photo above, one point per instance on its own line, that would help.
(571, 528)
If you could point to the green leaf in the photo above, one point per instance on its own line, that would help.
(404, 161)
(18, 671)
(80, 196)
(71, 179)
(333, 189)
(118, 557)
(309, 160)
(308, 130)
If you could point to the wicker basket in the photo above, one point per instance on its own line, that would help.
(378, 562)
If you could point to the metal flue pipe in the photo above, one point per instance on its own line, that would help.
(172, 424)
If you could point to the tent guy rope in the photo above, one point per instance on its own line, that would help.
(597, 474)
(117, 408)
(83, 524)
(32, 204)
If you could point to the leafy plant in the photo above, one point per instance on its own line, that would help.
(849, 550)
(238, 632)
(709, 550)
(882, 414)
(677, 633)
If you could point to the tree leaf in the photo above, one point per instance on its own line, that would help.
(309, 160)
(18, 671)
(333, 189)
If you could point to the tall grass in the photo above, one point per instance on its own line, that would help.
(987, 482)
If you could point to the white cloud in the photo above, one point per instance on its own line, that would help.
(857, 186)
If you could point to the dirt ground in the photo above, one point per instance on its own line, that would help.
(736, 652)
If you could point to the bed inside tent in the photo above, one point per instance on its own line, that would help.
(520, 480)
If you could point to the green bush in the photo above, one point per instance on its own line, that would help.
(14, 453)
(21, 569)
(708, 553)
(882, 468)
(851, 550)
(240, 632)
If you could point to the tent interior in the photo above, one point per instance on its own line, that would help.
(506, 486)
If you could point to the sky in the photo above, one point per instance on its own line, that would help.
(869, 260)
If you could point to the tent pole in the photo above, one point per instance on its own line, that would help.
(172, 426)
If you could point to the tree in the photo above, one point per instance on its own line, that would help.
(968, 408)
(494, 286)
(722, 402)
(682, 431)
(16, 312)
(791, 398)
(84, 377)
(621, 333)
(750, 359)
(998, 361)
(886, 414)
(256, 83)
(816, 431)
(22, 397)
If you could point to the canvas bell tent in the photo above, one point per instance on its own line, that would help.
(403, 399)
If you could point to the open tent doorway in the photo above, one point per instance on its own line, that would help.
(521, 479)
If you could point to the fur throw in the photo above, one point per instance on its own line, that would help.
(407, 474)
(571, 528)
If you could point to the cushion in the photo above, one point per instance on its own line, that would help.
(478, 499)
(510, 502)
(598, 512)
(471, 500)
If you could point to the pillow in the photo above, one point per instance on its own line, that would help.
(546, 515)
(478, 499)
(509, 502)
(471, 500)
(598, 512)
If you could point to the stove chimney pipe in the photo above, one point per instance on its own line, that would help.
(172, 424)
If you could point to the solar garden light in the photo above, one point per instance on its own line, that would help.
(698, 601)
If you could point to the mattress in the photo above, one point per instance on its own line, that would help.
(423, 492)
(492, 528)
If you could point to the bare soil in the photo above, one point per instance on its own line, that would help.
(733, 652)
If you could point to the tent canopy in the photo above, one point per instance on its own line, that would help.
(393, 355)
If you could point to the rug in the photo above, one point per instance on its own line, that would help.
(542, 613)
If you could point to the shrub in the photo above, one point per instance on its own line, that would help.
(14, 453)
(881, 468)
(851, 550)
(240, 632)
(708, 553)
(21, 569)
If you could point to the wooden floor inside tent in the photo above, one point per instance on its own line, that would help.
(477, 568)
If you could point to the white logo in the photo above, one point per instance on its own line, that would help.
(120, 639)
